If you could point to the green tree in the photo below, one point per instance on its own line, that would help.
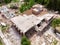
(50, 4)
(54, 4)
(7, 1)
(25, 41)
(23, 8)
(26, 6)
(31, 3)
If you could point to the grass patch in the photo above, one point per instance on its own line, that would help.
(4, 28)
(1, 42)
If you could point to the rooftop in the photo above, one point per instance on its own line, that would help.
(48, 16)
(25, 23)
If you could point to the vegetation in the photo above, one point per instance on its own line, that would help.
(13, 7)
(15, 0)
(39, 1)
(56, 22)
(4, 28)
(1, 42)
(7, 1)
(50, 4)
(54, 42)
(26, 6)
(23, 8)
(54, 4)
(25, 41)
(56, 25)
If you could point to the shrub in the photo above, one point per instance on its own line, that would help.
(55, 22)
(23, 8)
(4, 28)
(26, 6)
(13, 7)
(25, 41)
(54, 42)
